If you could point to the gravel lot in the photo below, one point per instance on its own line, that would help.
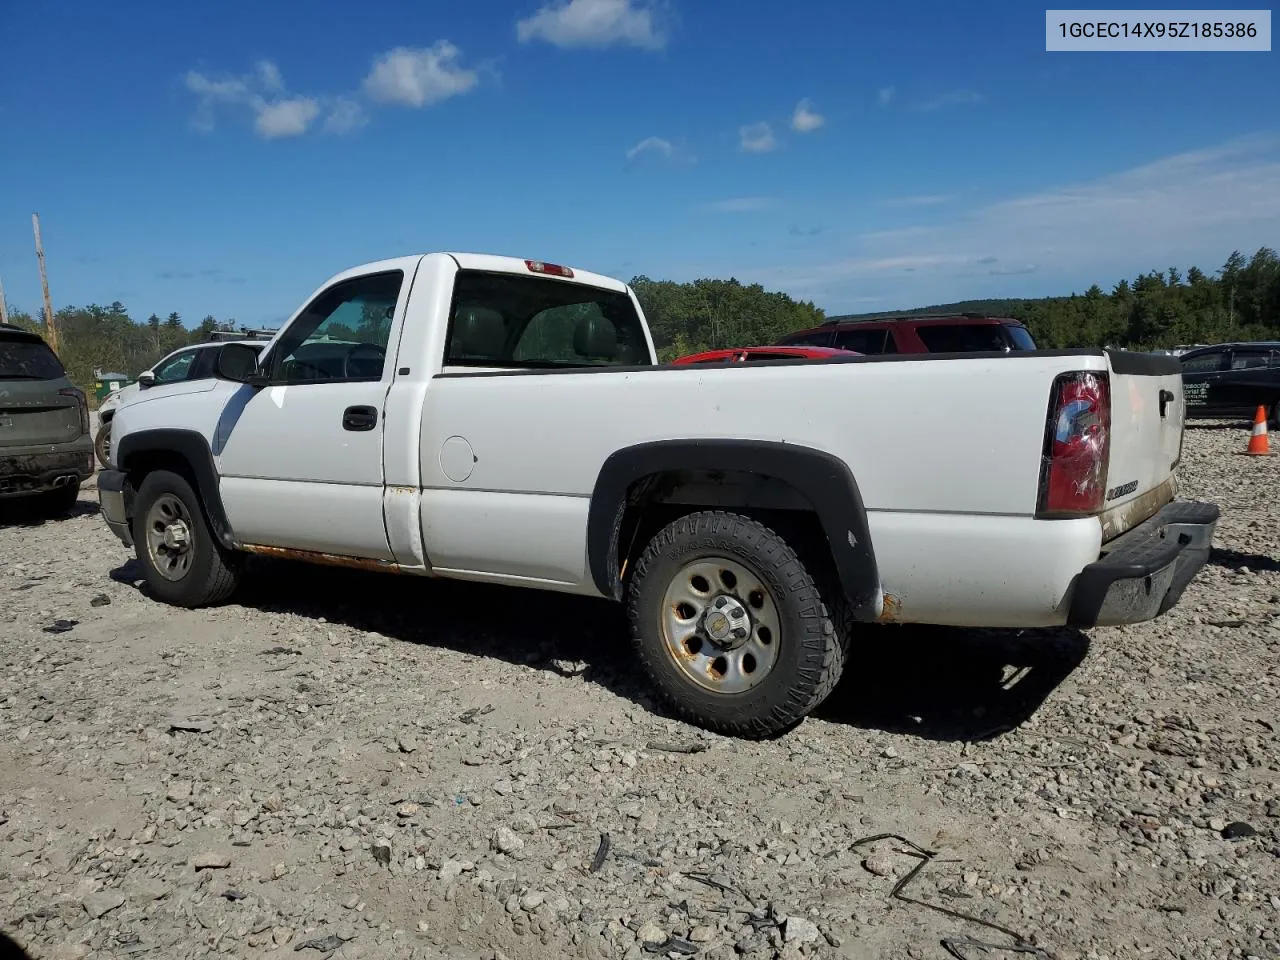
(353, 765)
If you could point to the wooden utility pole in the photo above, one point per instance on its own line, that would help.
(4, 307)
(51, 330)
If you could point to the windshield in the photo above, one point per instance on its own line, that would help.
(509, 320)
(28, 360)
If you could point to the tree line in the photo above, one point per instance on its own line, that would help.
(1155, 310)
(108, 339)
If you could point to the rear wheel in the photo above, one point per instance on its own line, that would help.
(731, 627)
(184, 564)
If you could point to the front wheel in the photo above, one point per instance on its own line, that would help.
(102, 444)
(731, 627)
(184, 564)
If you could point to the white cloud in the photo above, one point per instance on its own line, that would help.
(805, 119)
(756, 138)
(344, 116)
(261, 94)
(653, 145)
(269, 74)
(1190, 208)
(950, 98)
(420, 76)
(743, 204)
(884, 95)
(922, 200)
(286, 118)
(594, 23)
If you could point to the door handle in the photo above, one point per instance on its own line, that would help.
(359, 418)
(1166, 398)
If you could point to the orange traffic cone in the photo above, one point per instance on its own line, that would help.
(1259, 441)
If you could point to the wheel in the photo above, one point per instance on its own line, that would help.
(184, 564)
(60, 501)
(102, 444)
(731, 627)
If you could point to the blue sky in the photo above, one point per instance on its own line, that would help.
(227, 158)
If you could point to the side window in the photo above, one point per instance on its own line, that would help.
(204, 364)
(816, 338)
(1248, 359)
(175, 368)
(864, 341)
(342, 335)
(1206, 362)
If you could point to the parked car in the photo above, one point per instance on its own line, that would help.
(46, 451)
(507, 421)
(755, 354)
(196, 362)
(1232, 380)
(917, 333)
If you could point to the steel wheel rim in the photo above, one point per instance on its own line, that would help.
(169, 537)
(707, 651)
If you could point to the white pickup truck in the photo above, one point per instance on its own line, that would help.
(505, 420)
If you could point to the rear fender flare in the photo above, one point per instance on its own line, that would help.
(823, 480)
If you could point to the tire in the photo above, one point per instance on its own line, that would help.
(102, 444)
(795, 645)
(60, 501)
(184, 563)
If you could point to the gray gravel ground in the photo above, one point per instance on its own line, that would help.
(349, 765)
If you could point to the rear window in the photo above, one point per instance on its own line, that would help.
(519, 322)
(1020, 336)
(28, 360)
(963, 337)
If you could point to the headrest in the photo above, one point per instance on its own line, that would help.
(478, 332)
(595, 338)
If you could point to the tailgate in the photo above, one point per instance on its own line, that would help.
(33, 413)
(1147, 413)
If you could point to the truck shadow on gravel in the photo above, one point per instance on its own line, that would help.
(938, 683)
(951, 684)
(21, 512)
(1235, 560)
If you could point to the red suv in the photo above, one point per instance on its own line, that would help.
(917, 333)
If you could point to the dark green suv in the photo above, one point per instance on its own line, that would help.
(46, 450)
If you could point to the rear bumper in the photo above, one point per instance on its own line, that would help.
(1143, 573)
(25, 471)
(113, 503)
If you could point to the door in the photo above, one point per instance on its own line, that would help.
(301, 458)
(1252, 379)
(1202, 374)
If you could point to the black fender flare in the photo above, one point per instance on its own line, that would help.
(194, 449)
(822, 479)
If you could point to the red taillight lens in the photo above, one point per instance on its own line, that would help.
(537, 266)
(1077, 445)
(81, 402)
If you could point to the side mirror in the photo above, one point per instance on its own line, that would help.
(238, 363)
(146, 379)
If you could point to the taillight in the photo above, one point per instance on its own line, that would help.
(1077, 444)
(537, 266)
(81, 402)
